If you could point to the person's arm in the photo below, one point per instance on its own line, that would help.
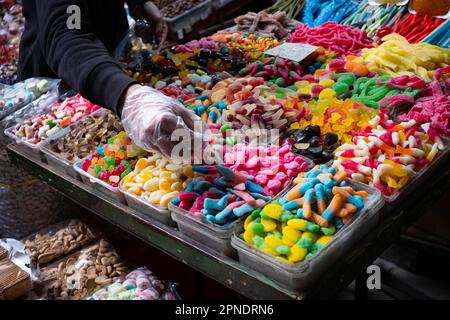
(148, 10)
(80, 58)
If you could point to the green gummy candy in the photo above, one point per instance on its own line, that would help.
(97, 169)
(258, 241)
(112, 140)
(286, 216)
(305, 243)
(347, 80)
(293, 88)
(256, 213)
(280, 82)
(312, 227)
(277, 235)
(110, 161)
(275, 202)
(283, 250)
(340, 87)
(257, 228)
(125, 173)
(328, 231)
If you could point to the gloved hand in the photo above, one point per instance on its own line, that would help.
(150, 118)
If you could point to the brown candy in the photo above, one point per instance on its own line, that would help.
(45, 248)
(84, 139)
(80, 275)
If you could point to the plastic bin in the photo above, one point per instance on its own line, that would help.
(97, 184)
(58, 162)
(36, 148)
(218, 4)
(183, 22)
(158, 213)
(42, 104)
(213, 236)
(302, 275)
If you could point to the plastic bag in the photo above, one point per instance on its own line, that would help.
(139, 284)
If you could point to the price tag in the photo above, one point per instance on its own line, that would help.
(292, 51)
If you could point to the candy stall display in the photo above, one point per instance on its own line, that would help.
(213, 204)
(343, 40)
(36, 130)
(22, 93)
(109, 164)
(276, 25)
(57, 241)
(397, 57)
(12, 24)
(154, 182)
(301, 156)
(287, 238)
(82, 140)
(387, 154)
(139, 284)
(79, 275)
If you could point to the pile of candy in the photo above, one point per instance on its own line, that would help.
(249, 178)
(11, 29)
(178, 7)
(387, 154)
(433, 108)
(157, 180)
(343, 40)
(284, 72)
(370, 91)
(95, 130)
(333, 115)
(113, 161)
(20, 94)
(139, 284)
(61, 115)
(396, 57)
(317, 12)
(303, 221)
(309, 142)
(277, 25)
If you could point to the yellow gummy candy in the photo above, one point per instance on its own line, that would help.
(298, 224)
(291, 233)
(164, 185)
(273, 242)
(323, 240)
(287, 241)
(247, 221)
(269, 224)
(176, 186)
(151, 185)
(165, 199)
(155, 197)
(248, 236)
(141, 164)
(327, 93)
(273, 210)
(327, 83)
(297, 254)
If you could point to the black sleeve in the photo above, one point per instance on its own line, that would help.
(79, 57)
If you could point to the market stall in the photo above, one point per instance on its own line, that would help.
(359, 99)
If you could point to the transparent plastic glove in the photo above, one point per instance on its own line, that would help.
(151, 119)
